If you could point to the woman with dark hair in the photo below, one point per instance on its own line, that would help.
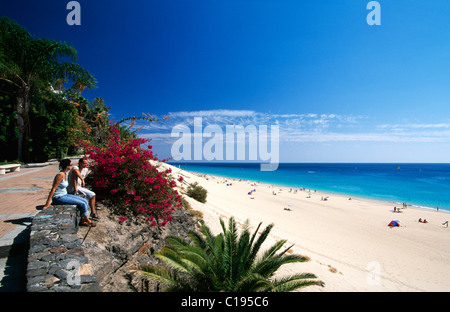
(59, 196)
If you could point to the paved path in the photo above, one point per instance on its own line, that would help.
(22, 195)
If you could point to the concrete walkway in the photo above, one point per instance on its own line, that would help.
(22, 196)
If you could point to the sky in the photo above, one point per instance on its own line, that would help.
(337, 88)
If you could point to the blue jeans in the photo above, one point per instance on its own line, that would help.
(69, 199)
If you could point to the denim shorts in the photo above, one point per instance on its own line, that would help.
(69, 199)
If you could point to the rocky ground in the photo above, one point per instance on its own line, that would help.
(117, 250)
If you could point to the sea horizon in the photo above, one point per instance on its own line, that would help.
(422, 185)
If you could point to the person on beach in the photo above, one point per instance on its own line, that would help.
(58, 194)
(76, 185)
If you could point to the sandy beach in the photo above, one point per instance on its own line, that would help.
(349, 242)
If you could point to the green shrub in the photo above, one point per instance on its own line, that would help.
(197, 192)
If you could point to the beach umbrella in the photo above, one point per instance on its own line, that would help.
(394, 223)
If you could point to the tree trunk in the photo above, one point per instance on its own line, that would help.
(23, 123)
(20, 121)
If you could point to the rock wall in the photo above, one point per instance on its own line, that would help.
(64, 257)
(56, 259)
(117, 250)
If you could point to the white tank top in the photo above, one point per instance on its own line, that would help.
(62, 188)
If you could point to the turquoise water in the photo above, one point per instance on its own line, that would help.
(423, 185)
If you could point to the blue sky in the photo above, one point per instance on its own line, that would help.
(339, 89)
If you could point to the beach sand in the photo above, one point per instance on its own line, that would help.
(349, 242)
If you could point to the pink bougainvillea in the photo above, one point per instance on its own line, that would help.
(122, 172)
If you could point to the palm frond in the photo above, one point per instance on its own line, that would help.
(170, 280)
(252, 283)
(177, 241)
(294, 282)
(261, 239)
(227, 262)
(166, 277)
(172, 259)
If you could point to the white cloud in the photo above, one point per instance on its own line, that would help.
(415, 126)
(213, 113)
(309, 127)
(364, 137)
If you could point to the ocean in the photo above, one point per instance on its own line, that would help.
(422, 185)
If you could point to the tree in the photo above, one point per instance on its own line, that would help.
(8, 129)
(28, 63)
(226, 262)
(97, 118)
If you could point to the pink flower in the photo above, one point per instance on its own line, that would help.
(149, 180)
(122, 166)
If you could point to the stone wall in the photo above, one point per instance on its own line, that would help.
(65, 258)
(56, 259)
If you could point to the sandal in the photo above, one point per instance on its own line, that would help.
(86, 223)
(94, 216)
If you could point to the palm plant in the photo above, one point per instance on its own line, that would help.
(226, 262)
